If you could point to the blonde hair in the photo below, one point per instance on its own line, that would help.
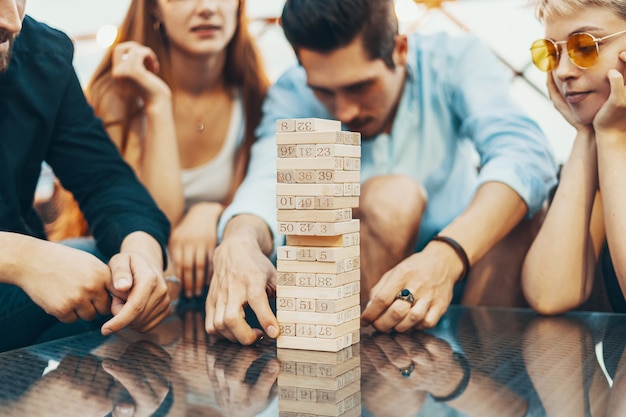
(545, 9)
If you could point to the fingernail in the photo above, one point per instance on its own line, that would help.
(272, 332)
(122, 283)
(125, 409)
(106, 331)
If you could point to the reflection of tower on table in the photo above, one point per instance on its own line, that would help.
(318, 184)
(316, 384)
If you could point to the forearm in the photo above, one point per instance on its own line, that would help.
(493, 212)
(558, 270)
(14, 247)
(159, 168)
(611, 173)
(250, 228)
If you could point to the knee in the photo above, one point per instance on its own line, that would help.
(391, 200)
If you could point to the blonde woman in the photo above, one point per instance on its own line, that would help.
(584, 54)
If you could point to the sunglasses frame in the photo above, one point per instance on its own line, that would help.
(596, 41)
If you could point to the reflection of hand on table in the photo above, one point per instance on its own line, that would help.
(243, 378)
(75, 387)
(415, 362)
(144, 370)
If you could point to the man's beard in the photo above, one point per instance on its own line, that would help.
(5, 56)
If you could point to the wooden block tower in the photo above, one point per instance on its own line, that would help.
(318, 183)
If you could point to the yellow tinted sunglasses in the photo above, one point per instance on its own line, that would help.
(582, 49)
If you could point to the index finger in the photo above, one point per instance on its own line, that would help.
(382, 296)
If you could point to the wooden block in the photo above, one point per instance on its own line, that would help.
(311, 279)
(286, 125)
(327, 203)
(335, 229)
(316, 305)
(325, 150)
(314, 370)
(288, 329)
(305, 279)
(298, 228)
(311, 163)
(336, 136)
(285, 304)
(326, 293)
(346, 239)
(334, 280)
(292, 202)
(316, 254)
(306, 125)
(316, 176)
(337, 267)
(286, 151)
(286, 278)
(328, 216)
(329, 345)
(355, 139)
(305, 150)
(331, 358)
(334, 306)
(337, 409)
(305, 330)
(335, 254)
(286, 253)
(310, 190)
(353, 412)
(286, 202)
(320, 331)
(284, 291)
(318, 228)
(326, 331)
(305, 304)
(337, 381)
(318, 395)
(352, 164)
(292, 317)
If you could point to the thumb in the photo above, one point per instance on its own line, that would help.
(121, 274)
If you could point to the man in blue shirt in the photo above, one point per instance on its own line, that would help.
(450, 164)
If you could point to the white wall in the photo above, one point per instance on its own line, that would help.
(508, 26)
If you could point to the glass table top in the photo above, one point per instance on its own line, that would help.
(476, 362)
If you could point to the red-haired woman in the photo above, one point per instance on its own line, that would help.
(180, 94)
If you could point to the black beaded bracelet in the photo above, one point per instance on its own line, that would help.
(459, 251)
(460, 389)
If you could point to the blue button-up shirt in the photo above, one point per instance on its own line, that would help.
(456, 114)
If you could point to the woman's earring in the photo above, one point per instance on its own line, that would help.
(156, 25)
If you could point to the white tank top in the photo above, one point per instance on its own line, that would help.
(212, 181)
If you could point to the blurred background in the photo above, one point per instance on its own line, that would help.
(507, 26)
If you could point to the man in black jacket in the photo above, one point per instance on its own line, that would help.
(44, 116)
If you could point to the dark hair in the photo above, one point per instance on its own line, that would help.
(326, 25)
